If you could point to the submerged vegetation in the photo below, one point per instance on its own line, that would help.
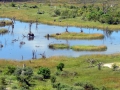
(3, 31)
(72, 35)
(88, 48)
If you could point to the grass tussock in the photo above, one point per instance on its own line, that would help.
(3, 31)
(58, 46)
(72, 35)
(88, 48)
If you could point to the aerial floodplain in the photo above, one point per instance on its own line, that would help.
(59, 45)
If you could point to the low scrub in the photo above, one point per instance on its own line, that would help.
(88, 48)
(73, 35)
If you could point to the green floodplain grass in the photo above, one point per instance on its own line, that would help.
(30, 14)
(85, 73)
(73, 35)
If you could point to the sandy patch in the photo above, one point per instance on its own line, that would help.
(108, 65)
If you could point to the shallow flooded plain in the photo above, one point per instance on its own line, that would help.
(13, 49)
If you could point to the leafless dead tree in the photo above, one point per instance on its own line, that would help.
(43, 55)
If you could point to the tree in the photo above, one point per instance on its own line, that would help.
(45, 72)
(60, 66)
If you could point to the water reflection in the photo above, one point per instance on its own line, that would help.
(37, 46)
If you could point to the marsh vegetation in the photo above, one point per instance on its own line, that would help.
(26, 41)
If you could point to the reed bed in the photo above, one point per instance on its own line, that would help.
(3, 31)
(58, 46)
(72, 35)
(88, 48)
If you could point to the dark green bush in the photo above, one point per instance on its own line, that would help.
(60, 66)
(12, 4)
(53, 79)
(45, 72)
(10, 70)
(57, 12)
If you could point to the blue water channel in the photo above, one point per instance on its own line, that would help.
(15, 51)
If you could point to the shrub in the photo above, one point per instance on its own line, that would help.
(60, 67)
(25, 5)
(24, 75)
(45, 72)
(12, 4)
(53, 79)
(57, 12)
(10, 70)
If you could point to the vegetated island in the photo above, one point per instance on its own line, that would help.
(73, 35)
(3, 31)
(58, 46)
(6, 22)
(78, 47)
(88, 48)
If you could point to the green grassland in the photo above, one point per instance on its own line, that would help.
(59, 14)
(77, 72)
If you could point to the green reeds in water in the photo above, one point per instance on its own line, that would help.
(73, 35)
(88, 48)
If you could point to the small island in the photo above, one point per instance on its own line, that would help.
(58, 46)
(6, 22)
(73, 35)
(3, 31)
(88, 48)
